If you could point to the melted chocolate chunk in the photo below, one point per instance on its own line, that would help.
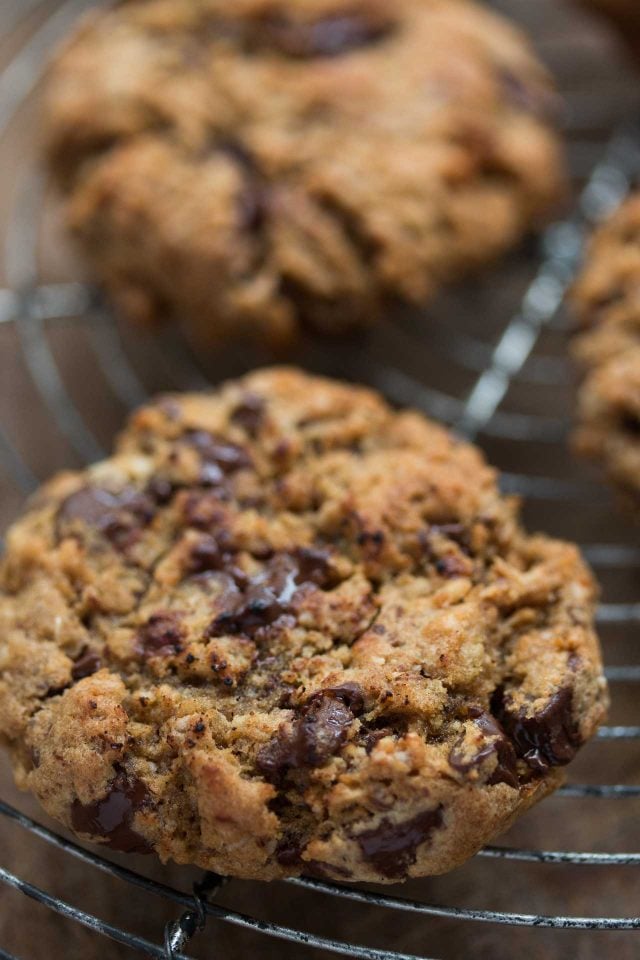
(111, 818)
(314, 566)
(120, 516)
(249, 414)
(87, 664)
(289, 852)
(316, 735)
(330, 36)
(160, 489)
(219, 457)
(393, 847)
(547, 739)
(160, 636)
(264, 600)
(497, 743)
(212, 554)
(204, 510)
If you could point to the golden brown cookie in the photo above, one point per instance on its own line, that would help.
(606, 303)
(286, 629)
(263, 166)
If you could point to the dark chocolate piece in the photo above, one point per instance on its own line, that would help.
(120, 516)
(86, 664)
(111, 818)
(160, 636)
(506, 769)
(249, 414)
(391, 848)
(267, 596)
(316, 735)
(219, 457)
(546, 739)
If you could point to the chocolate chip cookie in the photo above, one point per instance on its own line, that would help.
(606, 302)
(624, 13)
(286, 629)
(261, 167)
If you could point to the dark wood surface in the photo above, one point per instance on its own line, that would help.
(602, 89)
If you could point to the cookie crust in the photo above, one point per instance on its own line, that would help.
(285, 630)
(277, 166)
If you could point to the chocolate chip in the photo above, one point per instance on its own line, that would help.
(111, 818)
(119, 516)
(548, 738)
(314, 566)
(204, 510)
(326, 37)
(160, 489)
(317, 733)
(264, 600)
(289, 852)
(496, 743)
(249, 414)
(160, 636)
(392, 848)
(219, 457)
(206, 555)
(86, 664)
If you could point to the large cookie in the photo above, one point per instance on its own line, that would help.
(258, 166)
(606, 303)
(286, 629)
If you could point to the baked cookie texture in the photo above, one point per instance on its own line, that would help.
(286, 629)
(606, 305)
(624, 13)
(261, 167)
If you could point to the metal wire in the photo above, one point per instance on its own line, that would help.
(33, 309)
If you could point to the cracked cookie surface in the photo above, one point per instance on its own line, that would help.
(606, 305)
(261, 166)
(285, 629)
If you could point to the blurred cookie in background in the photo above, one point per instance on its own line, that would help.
(262, 168)
(606, 304)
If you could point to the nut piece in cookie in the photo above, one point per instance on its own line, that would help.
(286, 629)
(263, 167)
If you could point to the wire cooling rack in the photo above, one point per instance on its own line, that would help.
(490, 361)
